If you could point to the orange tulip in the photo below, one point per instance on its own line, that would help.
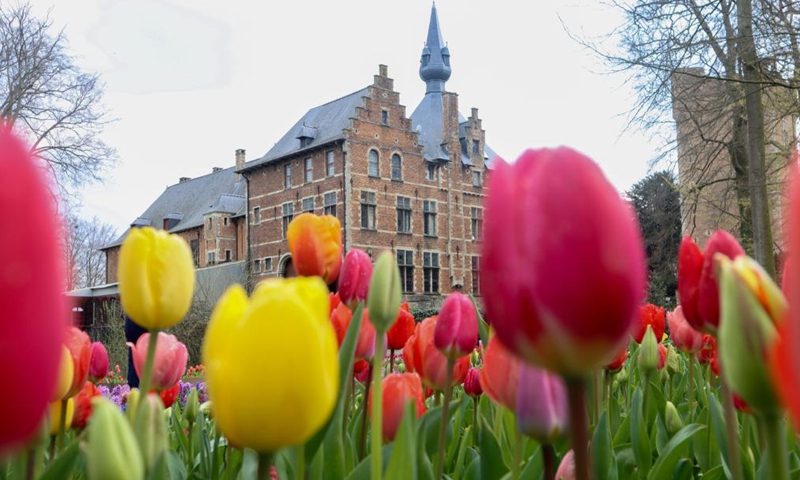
(80, 348)
(402, 328)
(341, 316)
(83, 405)
(500, 374)
(316, 245)
(421, 355)
(399, 389)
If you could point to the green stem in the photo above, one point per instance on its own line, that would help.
(52, 450)
(516, 466)
(391, 361)
(448, 392)
(606, 389)
(596, 397)
(691, 388)
(365, 414)
(62, 425)
(732, 432)
(475, 422)
(646, 399)
(777, 461)
(215, 455)
(264, 466)
(146, 380)
(549, 455)
(376, 440)
(301, 462)
(576, 392)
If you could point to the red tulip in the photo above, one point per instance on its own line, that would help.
(456, 331)
(617, 364)
(741, 405)
(399, 389)
(365, 347)
(472, 383)
(697, 278)
(684, 336)
(402, 328)
(169, 395)
(653, 316)
(316, 245)
(560, 248)
(708, 354)
(83, 405)
(361, 370)
(340, 318)
(98, 364)
(32, 303)
(420, 355)
(662, 356)
(500, 374)
(354, 277)
(170, 359)
(80, 349)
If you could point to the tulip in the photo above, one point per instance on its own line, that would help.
(192, 406)
(542, 408)
(708, 354)
(361, 371)
(384, 292)
(169, 362)
(402, 328)
(80, 349)
(649, 354)
(111, 449)
(55, 415)
(472, 383)
(354, 278)
(653, 316)
(617, 364)
(365, 345)
(340, 317)
(420, 355)
(399, 390)
(150, 429)
(566, 470)
(156, 277)
(66, 372)
(456, 330)
(575, 252)
(662, 356)
(301, 363)
(98, 365)
(500, 374)
(315, 242)
(34, 310)
(697, 278)
(672, 419)
(169, 395)
(673, 363)
(83, 405)
(684, 336)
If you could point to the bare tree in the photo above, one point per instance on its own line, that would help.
(45, 96)
(86, 264)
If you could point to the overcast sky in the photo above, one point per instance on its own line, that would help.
(190, 81)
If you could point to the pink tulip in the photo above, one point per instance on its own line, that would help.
(472, 383)
(457, 329)
(566, 470)
(170, 359)
(563, 265)
(684, 336)
(354, 277)
(98, 365)
(542, 408)
(34, 312)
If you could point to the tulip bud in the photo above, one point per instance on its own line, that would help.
(672, 419)
(98, 364)
(662, 356)
(150, 429)
(566, 470)
(622, 377)
(111, 450)
(354, 277)
(207, 408)
(384, 293)
(132, 403)
(457, 329)
(472, 383)
(619, 362)
(80, 348)
(66, 370)
(684, 336)
(169, 362)
(648, 353)
(55, 416)
(169, 395)
(542, 408)
(192, 406)
(673, 362)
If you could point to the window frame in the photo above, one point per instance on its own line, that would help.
(329, 208)
(330, 163)
(476, 223)
(399, 170)
(384, 116)
(257, 265)
(285, 215)
(475, 269)
(303, 208)
(477, 178)
(268, 264)
(309, 169)
(404, 214)
(406, 269)
(369, 204)
(376, 161)
(287, 175)
(256, 215)
(431, 272)
(429, 219)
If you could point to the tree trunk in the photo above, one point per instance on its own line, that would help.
(759, 202)
(737, 150)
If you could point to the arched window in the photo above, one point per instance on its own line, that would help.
(397, 167)
(373, 164)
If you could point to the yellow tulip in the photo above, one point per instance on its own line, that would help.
(55, 416)
(156, 277)
(271, 362)
(66, 369)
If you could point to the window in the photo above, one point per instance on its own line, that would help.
(476, 215)
(397, 167)
(330, 168)
(429, 218)
(476, 275)
(257, 265)
(405, 262)
(308, 204)
(212, 258)
(268, 264)
(256, 215)
(430, 272)
(288, 214)
(476, 147)
(476, 178)
(287, 173)
(309, 170)
(368, 208)
(227, 255)
(329, 203)
(225, 221)
(374, 171)
(430, 172)
(194, 246)
(385, 117)
(403, 215)
(210, 223)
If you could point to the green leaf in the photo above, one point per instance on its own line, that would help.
(718, 424)
(600, 450)
(428, 427)
(483, 329)
(673, 451)
(623, 434)
(403, 463)
(492, 465)
(176, 467)
(63, 464)
(474, 470)
(639, 438)
(363, 471)
(534, 467)
(684, 470)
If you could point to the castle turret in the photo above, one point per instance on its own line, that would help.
(434, 68)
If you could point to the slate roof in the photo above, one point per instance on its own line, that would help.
(217, 192)
(325, 122)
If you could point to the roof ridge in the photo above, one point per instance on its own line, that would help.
(191, 179)
(340, 98)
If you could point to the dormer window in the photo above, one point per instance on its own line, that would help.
(305, 141)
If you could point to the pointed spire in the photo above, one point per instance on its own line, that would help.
(434, 66)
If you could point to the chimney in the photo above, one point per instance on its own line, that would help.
(383, 70)
(184, 179)
(474, 113)
(216, 169)
(240, 154)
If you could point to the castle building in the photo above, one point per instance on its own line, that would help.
(413, 185)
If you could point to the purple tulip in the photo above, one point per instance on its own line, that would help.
(542, 408)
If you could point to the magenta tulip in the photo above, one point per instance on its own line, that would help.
(456, 331)
(169, 363)
(98, 365)
(34, 312)
(472, 383)
(684, 336)
(542, 408)
(354, 277)
(563, 265)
